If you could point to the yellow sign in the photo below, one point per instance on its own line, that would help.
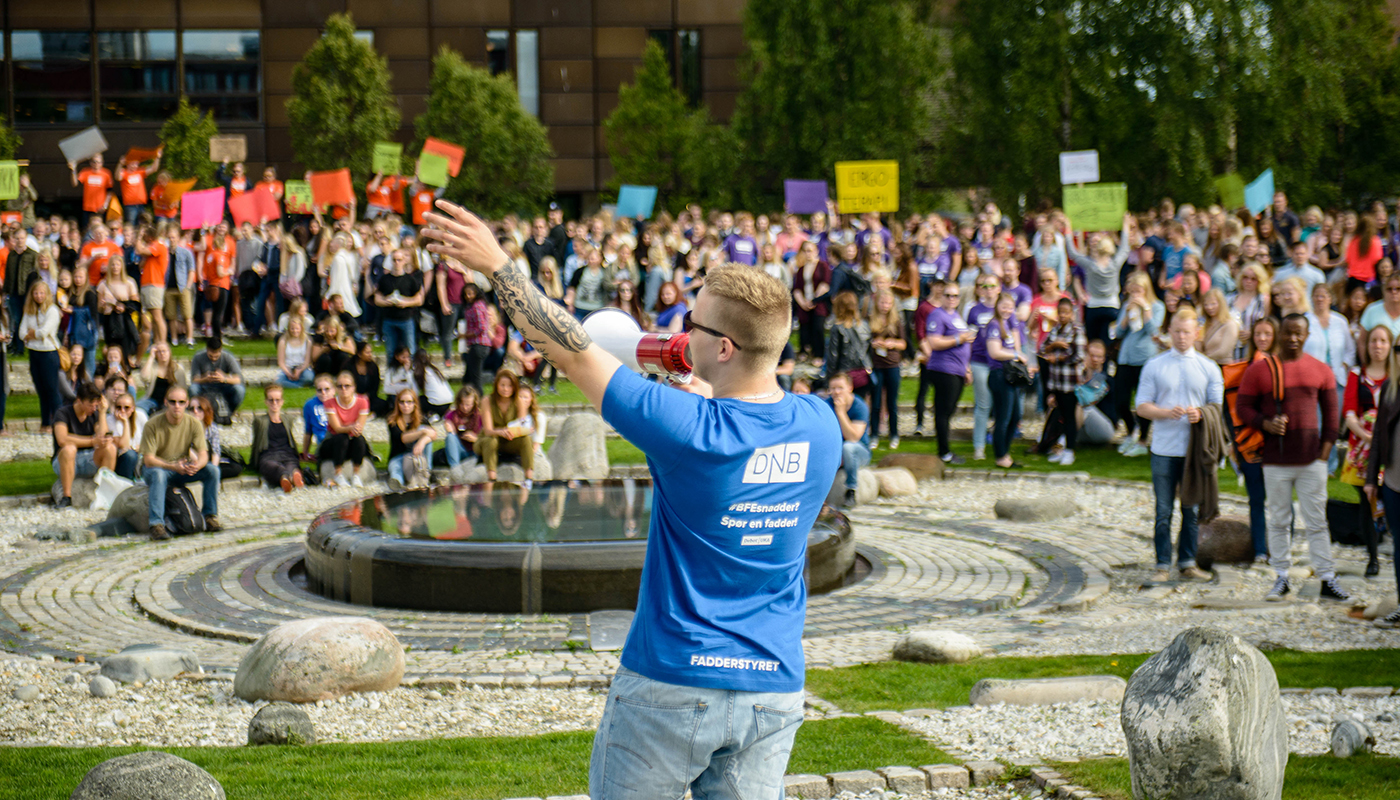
(863, 186)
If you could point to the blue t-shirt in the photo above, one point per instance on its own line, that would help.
(313, 419)
(858, 412)
(737, 487)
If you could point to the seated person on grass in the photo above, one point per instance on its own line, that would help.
(81, 443)
(216, 373)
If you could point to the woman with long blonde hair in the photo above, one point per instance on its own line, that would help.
(38, 328)
(1221, 332)
(887, 345)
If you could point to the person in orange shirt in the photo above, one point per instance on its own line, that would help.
(384, 195)
(236, 181)
(216, 253)
(155, 260)
(95, 252)
(164, 208)
(132, 178)
(97, 184)
(423, 197)
(269, 182)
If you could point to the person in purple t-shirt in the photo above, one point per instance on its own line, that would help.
(1011, 284)
(948, 344)
(981, 313)
(742, 247)
(873, 227)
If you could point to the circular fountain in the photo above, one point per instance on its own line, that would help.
(559, 546)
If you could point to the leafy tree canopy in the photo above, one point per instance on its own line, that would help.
(186, 138)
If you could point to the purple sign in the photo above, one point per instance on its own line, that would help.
(804, 197)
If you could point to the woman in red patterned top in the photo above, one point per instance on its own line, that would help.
(1359, 402)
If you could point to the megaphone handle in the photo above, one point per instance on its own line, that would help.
(679, 380)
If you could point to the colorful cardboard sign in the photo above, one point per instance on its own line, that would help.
(232, 147)
(453, 153)
(636, 202)
(177, 189)
(9, 180)
(257, 207)
(83, 144)
(1260, 194)
(804, 197)
(332, 188)
(1231, 190)
(140, 155)
(198, 209)
(1096, 206)
(864, 186)
(296, 195)
(388, 158)
(433, 168)
(1079, 166)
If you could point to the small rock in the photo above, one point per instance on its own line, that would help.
(432, 694)
(936, 647)
(27, 694)
(581, 450)
(1224, 540)
(947, 776)
(1379, 609)
(855, 781)
(896, 482)
(1350, 737)
(149, 775)
(133, 505)
(1035, 509)
(867, 488)
(84, 490)
(72, 678)
(281, 723)
(807, 787)
(904, 780)
(923, 467)
(1047, 691)
(102, 686)
(985, 773)
(149, 662)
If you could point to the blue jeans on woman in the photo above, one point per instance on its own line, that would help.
(981, 405)
(884, 384)
(457, 451)
(1006, 406)
(396, 463)
(305, 378)
(1253, 475)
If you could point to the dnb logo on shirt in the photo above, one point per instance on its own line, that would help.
(781, 463)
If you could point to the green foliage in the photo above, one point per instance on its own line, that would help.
(9, 142)
(828, 81)
(506, 168)
(186, 138)
(341, 103)
(1172, 94)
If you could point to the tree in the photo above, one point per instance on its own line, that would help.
(185, 137)
(651, 132)
(506, 167)
(9, 142)
(828, 81)
(341, 102)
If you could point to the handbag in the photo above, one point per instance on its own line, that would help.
(1016, 373)
(211, 293)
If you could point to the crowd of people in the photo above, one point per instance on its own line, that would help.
(1147, 328)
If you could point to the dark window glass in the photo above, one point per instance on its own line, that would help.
(51, 45)
(667, 41)
(138, 108)
(236, 109)
(222, 45)
(61, 77)
(208, 78)
(53, 76)
(688, 65)
(36, 110)
(222, 72)
(498, 51)
(136, 45)
(156, 78)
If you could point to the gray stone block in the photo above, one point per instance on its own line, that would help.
(150, 775)
(1047, 508)
(947, 776)
(984, 773)
(1047, 691)
(905, 780)
(857, 781)
(281, 723)
(149, 662)
(1350, 737)
(1368, 692)
(807, 787)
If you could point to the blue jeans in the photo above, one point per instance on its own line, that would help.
(658, 739)
(233, 393)
(981, 405)
(1166, 480)
(396, 463)
(457, 452)
(398, 333)
(265, 290)
(854, 455)
(305, 378)
(884, 385)
(128, 464)
(1254, 487)
(1006, 406)
(161, 479)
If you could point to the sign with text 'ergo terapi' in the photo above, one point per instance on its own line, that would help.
(863, 186)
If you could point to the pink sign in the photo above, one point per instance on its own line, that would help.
(198, 209)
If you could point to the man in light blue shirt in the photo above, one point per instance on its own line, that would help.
(1299, 267)
(1387, 311)
(1173, 388)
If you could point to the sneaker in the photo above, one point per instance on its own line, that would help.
(357, 482)
(1066, 458)
(850, 498)
(211, 524)
(1373, 567)
(1135, 449)
(63, 502)
(979, 455)
(158, 533)
(1196, 574)
(286, 484)
(1261, 560)
(894, 442)
(919, 430)
(1161, 576)
(1054, 458)
(1391, 620)
(954, 459)
(1280, 590)
(1332, 590)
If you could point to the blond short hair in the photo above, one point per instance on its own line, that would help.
(755, 308)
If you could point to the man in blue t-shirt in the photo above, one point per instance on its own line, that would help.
(313, 416)
(853, 415)
(709, 694)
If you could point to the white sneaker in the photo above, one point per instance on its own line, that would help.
(894, 442)
(1135, 450)
(356, 482)
(1066, 458)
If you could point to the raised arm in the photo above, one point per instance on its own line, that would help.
(544, 323)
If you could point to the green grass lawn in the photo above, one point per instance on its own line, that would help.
(900, 686)
(553, 764)
(1362, 777)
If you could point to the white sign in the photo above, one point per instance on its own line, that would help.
(1079, 166)
(83, 145)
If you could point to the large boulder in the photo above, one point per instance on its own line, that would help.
(1045, 508)
(320, 658)
(84, 490)
(895, 482)
(1203, 719)
(149, 662)
(581, 450)
(924, 467)
(936, 647)
(867, 488)
(133, 505)
(149, 775)
(281, 723)
(1224, 540)
(1046, 691)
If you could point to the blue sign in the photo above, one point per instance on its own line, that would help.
(1259, 194)
(636, 201)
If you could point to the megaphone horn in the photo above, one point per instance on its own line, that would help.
(617, 332)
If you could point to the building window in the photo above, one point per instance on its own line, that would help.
(53, 76)
(498, 51)
(527, 70)
(136, 80)
(688, 65)
(222, 73)
(365, 36)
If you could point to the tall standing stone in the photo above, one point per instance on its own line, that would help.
(581, 451)
(1203, 720)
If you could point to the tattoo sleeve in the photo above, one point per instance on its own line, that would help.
(543, 322)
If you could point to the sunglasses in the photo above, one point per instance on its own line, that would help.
(687, 324)
(346, 385)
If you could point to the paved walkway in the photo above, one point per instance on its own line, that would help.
(215, 594)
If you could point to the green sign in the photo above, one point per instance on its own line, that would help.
(9, 180)
(1096, 206)
(432, 169)
(1231, 189)
(387, 158)
(297, 197)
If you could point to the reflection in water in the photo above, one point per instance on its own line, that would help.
(553, 511)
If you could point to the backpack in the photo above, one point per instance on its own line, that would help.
(1249, 441)
(182, 514)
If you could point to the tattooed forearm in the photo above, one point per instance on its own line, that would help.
(543, 322)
